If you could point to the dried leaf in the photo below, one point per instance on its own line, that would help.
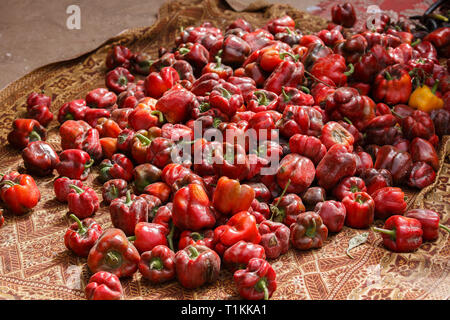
(356, 241)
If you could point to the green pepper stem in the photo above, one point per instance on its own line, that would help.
(34, 136)
(359, 199)
(81, 229)
(261, 285)
(131, 238)
(348, 120)
(156, 263)
(9, 183)
(216, 122)
(160, 115)
(113, 259)
(76, 188)
(284, 54)
(225, 93)
(128, 200)
(170, 237)
(305, 89)
(387, 75)
(196, 236)
(352, 69)
(397, 114)
(143, 139)
(262, 98)
(435, 86)
(183, 51)
(89, 163)
(391, 233)
(286, 97)
(311, 231)
(282, 193)
(218, 62)
(193, 252)
(444, 227)
(114, 191)
(354, 189)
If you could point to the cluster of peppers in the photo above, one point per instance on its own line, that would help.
(356, 117)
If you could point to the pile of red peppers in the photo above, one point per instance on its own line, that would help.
(353, 116)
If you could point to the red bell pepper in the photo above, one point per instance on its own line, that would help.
(335, 134)
(227, 98)
(36, 99)
(119, 167)
(376, 179)
(286, 208)
(308, 231)
(231, 162)
(222, 70)
(144, 116)
(257, 281)
(113, 253)
(73, 110)
(338, 163)
(294, 96)
(349, 185)
(238, 255)
(388, 201)
(113, 189)
(392, 85)
(332, 66)
(430, 222)
(422, 150)
(126, 212)
(158, 265)
(295, 120)
(286, 74)
(117, 79)
(25, 131)
(194, 53)
(241, 226)
(298, 170)
(191, 209)
(204, 238)
(62, 189)
(103, 286)
(81, 236)
(74, 164)
(109, 147)
(332, 213)
(176, 104)
(108, 128)
(382, 130)
(196, 265)
(83, 202)
(40, 158)
(118, 56)
(101, 98)
(157, 83)
(360, 210)
(274, 238)
(140, 144)
(422, 175)
(312, 196)
(418, 124)
(159, 152)
(343, 14)
(398, 163)
(140, 63)
(234, 51)
(441, 118)
(149, 235)
(125, 141)
(160, 190)
(19, 193)
(230, 197)
(41, 113)
(401, 234)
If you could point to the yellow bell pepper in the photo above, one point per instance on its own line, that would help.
(425, 99)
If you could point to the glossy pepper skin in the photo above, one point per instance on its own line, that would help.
(108, 128)
(274, 238)
(196, 265)
(176, 104)
(113, 189)
(257, 281)
(418, 124)
(83, 202)
(204, 238)
(157, 83)
(293, 96)
(81, 236)
(39, 158)
(349, 185)
(401, 234)
(422, 150)
(118, 79)
(286, 74)
(126, 212)
(144, 116)
(73, 110)
(62, 189)
(332, 66)
(158, 264)
(194, 53)
(335, 165)
(25, 131)
(430, 222)
(145, 174)
(286, 208)
(74, 164)
(230, 196)
(113, 253)
(191, 209)
(334, 133)
(118, 56)
(227, 98)
(149, 235)
(308, 231)
(382, 130)
(298, 169)
(35, 99)
(238, 255)
(19, 193)
(41, 113)
(332, 213)
(422, 175)
(343, 14)
(308, 146)
(398, 163)
(103, 286)
(360, 210)
(392, 86)
(375, 179)
(119, 167)
(241, 226)
(101, 98)
(388, 201)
